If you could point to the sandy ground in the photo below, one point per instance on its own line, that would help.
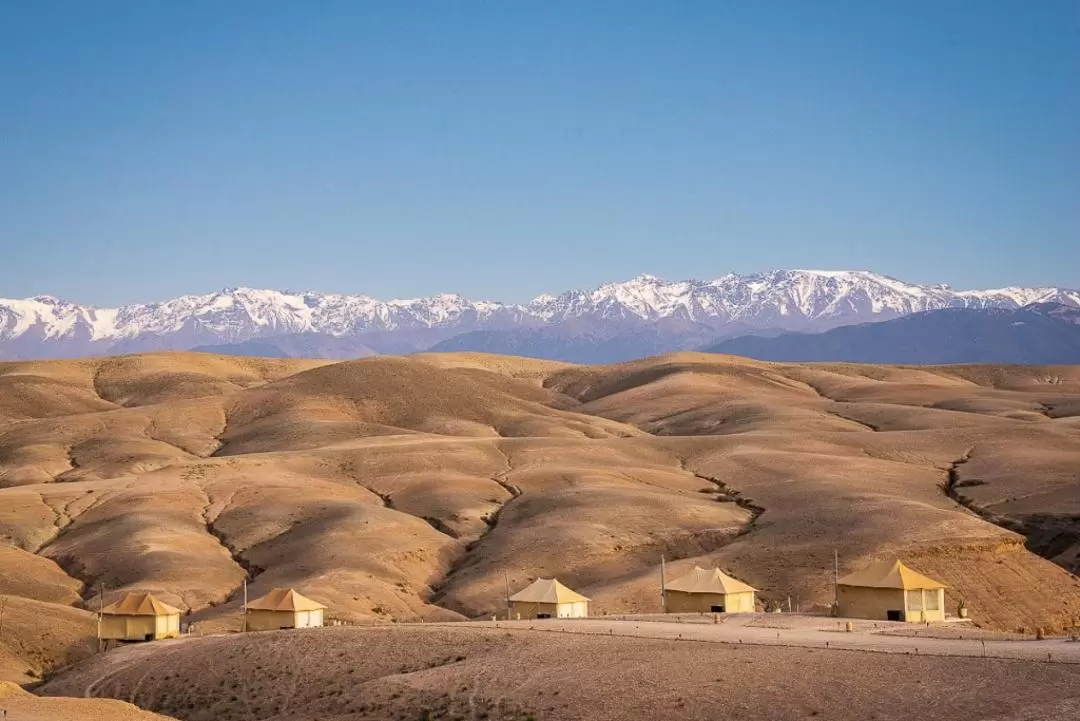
(414, 488)
(19, 705)
(818, 632)
(461, 672)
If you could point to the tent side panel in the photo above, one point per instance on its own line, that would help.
(574, 609)
(870, 603)
(137, 628)
(925, 605)
(740, 602)
(113, 628)
(269, 620)
(533, 610)
(683, 602)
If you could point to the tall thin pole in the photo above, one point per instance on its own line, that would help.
(243, 622)
(836, 577)
(3, 604)
(663, 583)
(506, 580)
(100, 609)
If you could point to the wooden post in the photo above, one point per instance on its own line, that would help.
(663, 584)
(100, 607)
(243, 611)
(836, 577)
(506, 579)
(3, 605)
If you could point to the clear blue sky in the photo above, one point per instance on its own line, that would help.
(501, 149)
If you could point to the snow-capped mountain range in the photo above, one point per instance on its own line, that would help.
(806, 300)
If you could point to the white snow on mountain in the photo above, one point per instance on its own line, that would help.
(801, 296)
(780, 299)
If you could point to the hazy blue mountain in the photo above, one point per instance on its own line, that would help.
(613, 321)
(1041, 333)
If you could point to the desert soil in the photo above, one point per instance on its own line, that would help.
(404, 488)
(417, 672)
(20, 705)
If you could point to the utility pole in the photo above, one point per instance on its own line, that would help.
(3, 605)
(243, 611)
(836, 577)
(663, 584)
(506, 580)
(100, 609)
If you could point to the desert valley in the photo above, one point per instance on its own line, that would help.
(400, 490)
(420, 361)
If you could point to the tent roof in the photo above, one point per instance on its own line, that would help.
(547, 590)
(283, 599)
(889, 574)
(139, 604)
(712, 580)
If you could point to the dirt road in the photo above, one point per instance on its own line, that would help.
(812, 632)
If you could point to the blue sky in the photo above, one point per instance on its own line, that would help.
(499, 150)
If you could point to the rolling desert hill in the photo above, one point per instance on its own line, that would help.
(21, 705)
(413, 488)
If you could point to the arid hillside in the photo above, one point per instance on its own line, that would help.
(21, 705)
(476, 674)
(409, 488)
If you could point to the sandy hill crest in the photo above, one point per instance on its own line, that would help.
(404, 487)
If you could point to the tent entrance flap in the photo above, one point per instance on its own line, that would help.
(717, 609)
(894, 615)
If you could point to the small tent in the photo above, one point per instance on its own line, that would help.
(282, 608)
(139, 617)
(547, 598)
(708, 591)
(890, 591)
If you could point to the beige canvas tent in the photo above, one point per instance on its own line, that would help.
(547, 598)
(890, 591)
(708, 591)
(282, 608)
(139, 617)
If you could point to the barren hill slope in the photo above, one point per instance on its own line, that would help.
(416, 672)
(407, 487)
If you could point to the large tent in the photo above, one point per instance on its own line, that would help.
(282, 608)
(890, 591)
(547, 598)
(139, 617)
(708, 591)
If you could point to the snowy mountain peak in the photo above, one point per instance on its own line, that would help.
(777, 299)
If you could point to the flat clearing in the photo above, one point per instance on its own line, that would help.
(459, 672)
(816, 632)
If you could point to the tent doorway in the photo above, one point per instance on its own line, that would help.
(894, 615)
(543, 615)
(717, 609)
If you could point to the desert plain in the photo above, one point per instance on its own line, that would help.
(397, 490)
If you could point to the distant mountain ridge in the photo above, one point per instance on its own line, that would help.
(781, 300)
(1037, 334)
